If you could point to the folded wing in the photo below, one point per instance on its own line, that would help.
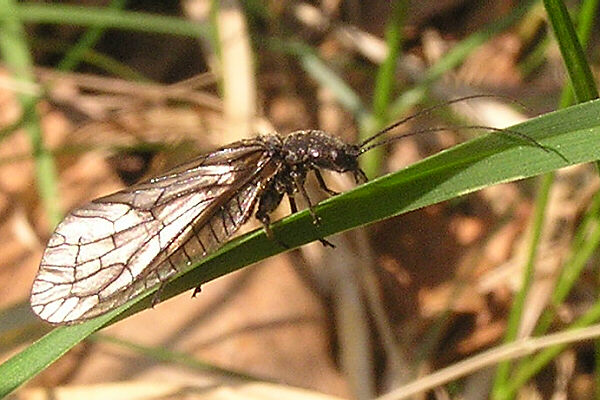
(115, 247)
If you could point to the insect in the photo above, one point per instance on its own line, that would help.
(115, 247)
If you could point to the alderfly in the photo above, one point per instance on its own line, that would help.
(115, 247)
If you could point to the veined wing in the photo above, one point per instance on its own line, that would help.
(115, 247)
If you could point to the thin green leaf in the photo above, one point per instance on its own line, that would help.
(87, 41)
(455, 57)
(585, 22)
(534, 367)
(385, 83)
(518, 306)
(35, 358)
(572, 53)
(175, 357)
(317, 69)
(583, 246)
(107, 18)
(15, 53)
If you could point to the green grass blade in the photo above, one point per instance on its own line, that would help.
(518, 307)
(15, 54)
(35, 358)
(455, 57)
(161, 354)
(585, 23)
(577, 67)
(317, 69)
(573, 55)
(103, 62)
(108, 18)
(542, 359)
(572, 134)
(384, 86)
(87, 41)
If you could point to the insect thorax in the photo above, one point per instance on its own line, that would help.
(313, 149)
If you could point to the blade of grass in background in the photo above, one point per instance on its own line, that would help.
(528, 31)
(572, 269)
(384, 87)
(483, 360)
(516, 312)
(317, 69)
(587, 235)
(580, 74)
(322, 74)
(455, 57)
(87, 41)
(585, 23)
(572, 134)
(16, 56)
(215, 44)
(584, 88)
(583, 246)
(534, 366)
(63, 14)
(103, 62)
(164, 355)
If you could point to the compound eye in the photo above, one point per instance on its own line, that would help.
(340, 157)
(346, 161)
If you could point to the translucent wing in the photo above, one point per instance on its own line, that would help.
(115, 247)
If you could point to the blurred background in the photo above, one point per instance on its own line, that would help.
(393, 301)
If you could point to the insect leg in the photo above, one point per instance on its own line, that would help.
(293, 206)
(197, 290)
(156, 297)
(300, 187)
(316, 220)
(360, 176)
(323, 184)
(294, 209)
(267, 203)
